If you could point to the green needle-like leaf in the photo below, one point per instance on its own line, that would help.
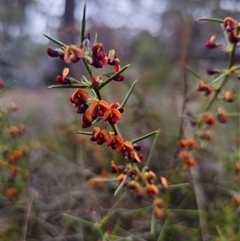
(211, 20)
(145, 136)
(83, 24)
(61, 44)
(128, 94)
(153, 223)
(86, 133)
(72, 86)
(78, 220)
(113, 76)
(152, 149)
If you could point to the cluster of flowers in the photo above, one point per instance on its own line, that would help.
(95, 108)
(10, 164)
(140, 183)
(230, 25)
(207, 119)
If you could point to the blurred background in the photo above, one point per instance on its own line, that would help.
(159, 38)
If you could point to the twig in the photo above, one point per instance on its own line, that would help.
(29, 207)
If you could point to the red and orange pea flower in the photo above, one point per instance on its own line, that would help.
(59, 52)
(100, 135)
(115, 62)
(125, 148)
(222, 116)
(62, 79)
(11, 192)
(187, 143)
(211, 43)
(99, 56)
(149, 177)
(188, 159)
(79, 97)
(134, 186)
(151, 190)
(208, 119)
(206, 135)
(119, 77)
(98, 107)
(204, 87)
(158, 205)
(229, 24)
(73, 54)
(113, 114)
(114, 141)
(233, 38)
(86, 119)
(229, 96)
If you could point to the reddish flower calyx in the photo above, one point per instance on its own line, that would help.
(233, 38)
(212, 71)
(55, 52)
(211, 44)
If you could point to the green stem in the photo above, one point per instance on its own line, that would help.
(211, 20)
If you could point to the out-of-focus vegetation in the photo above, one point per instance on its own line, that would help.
(53, 178)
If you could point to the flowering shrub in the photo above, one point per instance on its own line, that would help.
(134, 173)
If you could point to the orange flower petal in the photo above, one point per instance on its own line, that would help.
(107, 115)
(96, 132)
(118, 139)
(128, 146)
(135, 156)
(83, 94)
(87, 117)
(65, 72)
(103, 105)
(117, 115)
(111, 140)
(104, 135)
(93, 108)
